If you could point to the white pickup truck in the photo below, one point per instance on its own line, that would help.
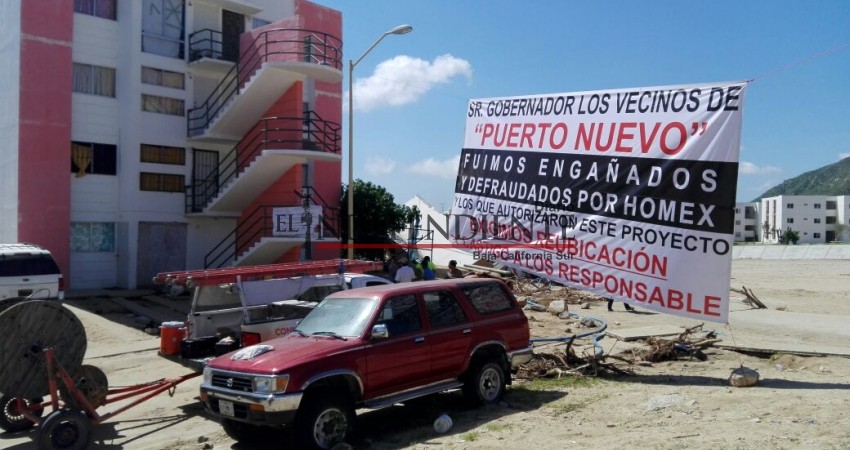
(259, 310)
(240, 306)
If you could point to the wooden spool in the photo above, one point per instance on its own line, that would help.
(92, 382)
(28, 327)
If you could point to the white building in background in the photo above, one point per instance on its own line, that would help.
(818, 219)
(746, 222)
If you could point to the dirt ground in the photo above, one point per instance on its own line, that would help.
(798, 402)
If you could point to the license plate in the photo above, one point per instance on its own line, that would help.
(225, 407)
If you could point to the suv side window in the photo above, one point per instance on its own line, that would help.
(443, 309)
(488, 298)
(401, 315)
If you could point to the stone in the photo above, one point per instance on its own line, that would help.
(557, 307)
(743, 377)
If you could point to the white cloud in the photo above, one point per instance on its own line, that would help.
(377, 165)
(843, 155)
(432, 167)
(404, 80)
(748, 168)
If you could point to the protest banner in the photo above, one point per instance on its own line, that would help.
(628, 193)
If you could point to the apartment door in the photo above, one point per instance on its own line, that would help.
(204, 178)
(232, 26)
(161, 247)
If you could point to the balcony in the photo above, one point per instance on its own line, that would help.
(269, 150)
(210, 54)
(269, 231)
(274, 61)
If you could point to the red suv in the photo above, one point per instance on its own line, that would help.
(371, 348)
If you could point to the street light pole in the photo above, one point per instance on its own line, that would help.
(401, 29)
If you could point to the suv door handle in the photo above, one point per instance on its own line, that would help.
(467, 330)
(419, 339)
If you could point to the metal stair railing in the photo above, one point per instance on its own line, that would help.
(330, 214)
(280, 44)
(270, 133)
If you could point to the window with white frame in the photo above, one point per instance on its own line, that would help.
(94, 80)
(92, 237)
(106, 9)
(163, 105)
(163, 27)
(166, 78)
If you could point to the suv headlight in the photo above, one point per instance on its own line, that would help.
(270, 385)
(207, 376)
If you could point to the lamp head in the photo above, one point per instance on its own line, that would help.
(401, 29)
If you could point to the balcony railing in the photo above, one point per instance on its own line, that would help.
(209, 43)
(284, 45)
(310, 132)
(259, 224)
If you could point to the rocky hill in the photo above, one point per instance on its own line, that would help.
(833, 179)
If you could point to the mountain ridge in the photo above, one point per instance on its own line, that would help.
(833, 179)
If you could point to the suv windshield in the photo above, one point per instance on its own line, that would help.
(342, 316)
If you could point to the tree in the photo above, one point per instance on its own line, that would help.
(766, 227)
(376, 215)
(789, 237)
(839, 229)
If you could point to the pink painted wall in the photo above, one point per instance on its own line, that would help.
(45, 132)
(328, 104)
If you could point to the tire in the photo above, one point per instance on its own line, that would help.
(324, 420)
(485, 384)
(243, 432)
(11, 419)
(66, 429)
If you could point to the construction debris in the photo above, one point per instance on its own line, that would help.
(751, 299)
(688, 344)
(559, 365)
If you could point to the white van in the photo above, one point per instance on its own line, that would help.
(29, 270)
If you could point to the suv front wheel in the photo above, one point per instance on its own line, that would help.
(325, 419)
(485, 384)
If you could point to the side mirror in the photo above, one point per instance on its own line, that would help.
(380, 331)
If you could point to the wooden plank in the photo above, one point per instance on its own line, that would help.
(181, 306)
(633, 334)
(156, 314)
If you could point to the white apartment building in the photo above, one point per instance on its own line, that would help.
(746, 222)
(142, 136)
(818, 219)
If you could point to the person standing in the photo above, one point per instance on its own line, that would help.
(611, 305)
(453, 271)
(428, 272)
(404, 273)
